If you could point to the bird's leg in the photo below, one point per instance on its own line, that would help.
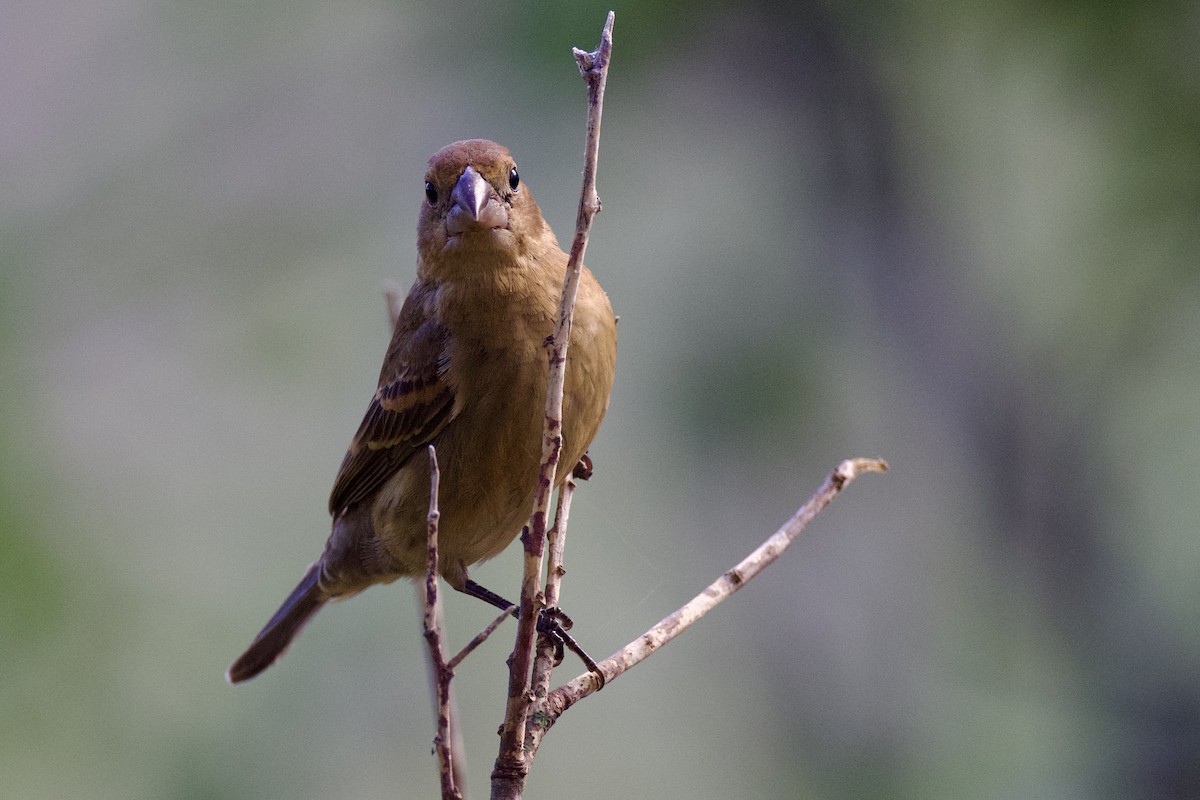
(488, 596)
(552, 623)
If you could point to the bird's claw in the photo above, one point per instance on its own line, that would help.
(553, 623)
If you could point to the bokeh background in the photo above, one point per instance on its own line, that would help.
(961, 236)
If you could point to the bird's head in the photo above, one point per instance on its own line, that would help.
(475, 202)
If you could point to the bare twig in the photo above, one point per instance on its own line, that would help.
(543, 664)
(557, 539)
(448, 707)
(393, 294)
(718, 591)
(508, 777)
(481, 637)
(442, 673)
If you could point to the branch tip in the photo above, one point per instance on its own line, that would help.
(851, 468)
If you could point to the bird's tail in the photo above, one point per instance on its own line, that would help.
(305, 600)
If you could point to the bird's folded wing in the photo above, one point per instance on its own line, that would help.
(411, 406)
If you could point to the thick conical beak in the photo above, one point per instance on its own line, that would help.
(475, 206)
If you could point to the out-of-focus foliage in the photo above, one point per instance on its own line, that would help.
(960, 236)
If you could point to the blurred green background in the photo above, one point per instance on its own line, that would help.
(963, 237)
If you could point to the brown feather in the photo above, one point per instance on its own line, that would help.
(465, 371)
(412, 404)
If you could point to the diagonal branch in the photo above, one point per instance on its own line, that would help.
(717, 592)
(481, 637)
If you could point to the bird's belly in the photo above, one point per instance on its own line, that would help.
(488, 474)
(488, 457)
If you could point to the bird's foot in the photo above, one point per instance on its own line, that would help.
(553, 623)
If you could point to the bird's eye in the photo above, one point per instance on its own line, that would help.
(514, 180)
(430, 193)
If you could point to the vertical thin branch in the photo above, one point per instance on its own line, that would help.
(458, 746)
(442, 674)
(556, 538)
(508, 777)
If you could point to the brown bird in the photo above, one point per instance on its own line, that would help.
(466, 372)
